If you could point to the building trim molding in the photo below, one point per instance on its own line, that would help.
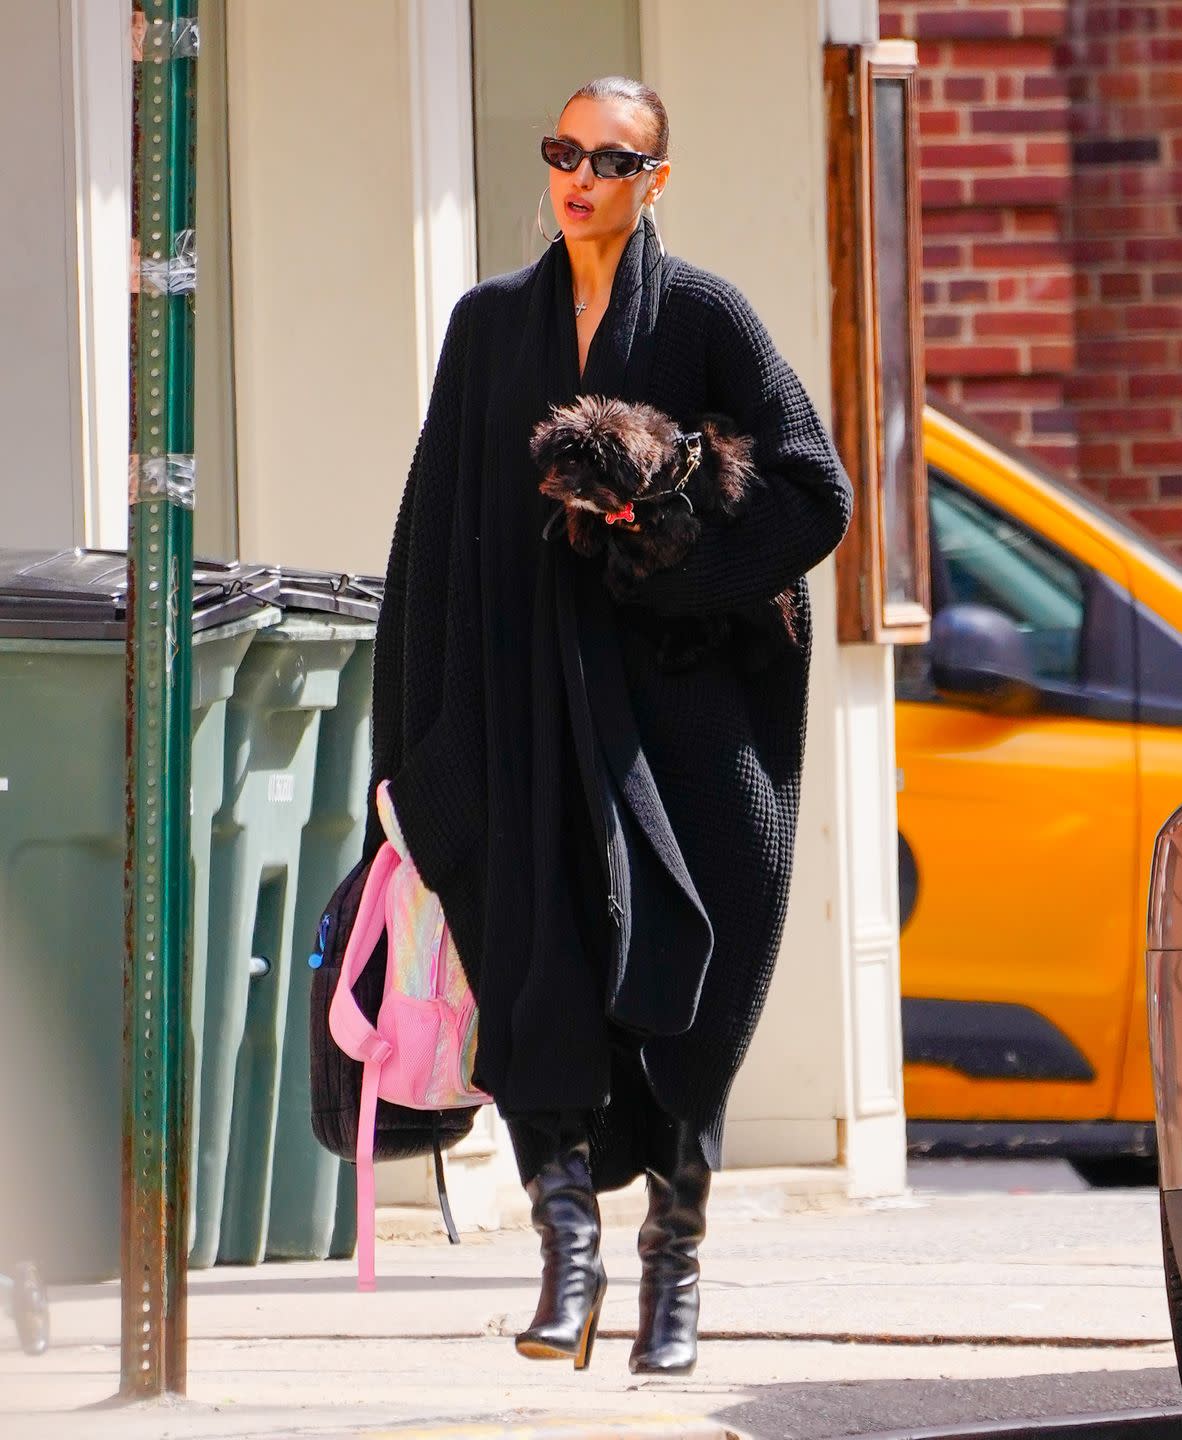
(439, 51)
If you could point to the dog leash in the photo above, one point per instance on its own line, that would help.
(692, 443)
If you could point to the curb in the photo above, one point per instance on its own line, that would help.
(559, 1427)
(1127, 1425)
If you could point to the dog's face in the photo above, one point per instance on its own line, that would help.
(594, 454)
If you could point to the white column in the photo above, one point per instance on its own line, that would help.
(101, 81)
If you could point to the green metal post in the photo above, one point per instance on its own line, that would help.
(159, 662)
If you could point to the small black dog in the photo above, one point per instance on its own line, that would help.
(636, 488)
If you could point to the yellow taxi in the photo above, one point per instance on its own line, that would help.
(1039, 740)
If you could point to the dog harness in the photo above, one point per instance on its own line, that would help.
(692, 446)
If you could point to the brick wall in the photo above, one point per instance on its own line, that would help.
(1051, 178)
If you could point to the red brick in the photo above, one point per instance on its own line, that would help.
(963, 222)
(1044, 87)
(890, 25)
(1009, 289)
(1048, 152)
(1125, 420)
(1059, 455)
(935, 192)
(941, 257)
(1024, 389)
(973, 359)
(1162, 520)
(1100, 455)
(1157, 452)
(1018, 254)
(960, 24)
(1121, 285)
(939, 122)
(1095, 252)
(1165, 386)
(1137, 220)
(931, 291)
(988, 55)
(1093, 185)
(1053, 420)
(1166, 85)
(1121, 85)
(1128, 487)
(1166, 49)
(964, 87)
(942, 327)
(1044, 285)
(968, 156)
(1123, 354)
(1046, 21)
(961, 290)
(1022, 324)
(1152, 183)
(1054, 357)
(1095, 320)
(1005, 88)
(1167, 283)
(1037, 222)
(1084, 387)
(1019, 120)
(1155, 317)
(1020, 189)
(1150, 249)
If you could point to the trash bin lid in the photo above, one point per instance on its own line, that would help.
(331, 592)
(82, 594)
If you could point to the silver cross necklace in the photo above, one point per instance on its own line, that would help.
(580, 306)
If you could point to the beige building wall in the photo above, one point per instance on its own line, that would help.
(351, 238)
(321, 187)
(822, 1084)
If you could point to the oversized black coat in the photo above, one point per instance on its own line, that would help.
(509, 690)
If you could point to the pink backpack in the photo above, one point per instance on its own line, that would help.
(421, 1051)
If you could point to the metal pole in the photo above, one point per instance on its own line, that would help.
(159, 656)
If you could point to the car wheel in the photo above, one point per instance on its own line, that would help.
(1111, 1172)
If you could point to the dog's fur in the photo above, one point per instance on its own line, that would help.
(599, 453)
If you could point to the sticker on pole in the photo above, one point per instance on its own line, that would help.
(281, 789)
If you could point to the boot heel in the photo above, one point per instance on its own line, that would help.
(590, 1330)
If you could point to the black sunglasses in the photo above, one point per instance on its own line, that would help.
(607, 164)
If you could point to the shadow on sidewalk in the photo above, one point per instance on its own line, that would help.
(866, 1407)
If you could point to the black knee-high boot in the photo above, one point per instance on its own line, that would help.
(667, 1336)
(566, 1215)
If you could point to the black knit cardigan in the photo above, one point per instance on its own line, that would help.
(692, 777)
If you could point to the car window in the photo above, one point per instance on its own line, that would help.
(982, 557)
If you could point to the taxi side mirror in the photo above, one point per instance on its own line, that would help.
(979, 658)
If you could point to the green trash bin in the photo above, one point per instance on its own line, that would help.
(62, 762)
(287, 682)
(306, 1179)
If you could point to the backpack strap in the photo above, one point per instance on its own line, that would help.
(358, 1039)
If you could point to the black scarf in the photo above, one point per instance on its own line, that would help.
(554, 687)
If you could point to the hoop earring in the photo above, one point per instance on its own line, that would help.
(550, 239)
(652, 212)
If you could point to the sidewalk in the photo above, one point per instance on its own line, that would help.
(943, 1307)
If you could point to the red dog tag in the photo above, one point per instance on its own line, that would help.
(625, 514)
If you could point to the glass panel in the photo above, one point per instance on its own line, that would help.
(985, 559)
(892, 261)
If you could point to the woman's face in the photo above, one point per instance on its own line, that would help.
(611, 206)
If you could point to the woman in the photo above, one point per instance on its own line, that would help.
(611, 839)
